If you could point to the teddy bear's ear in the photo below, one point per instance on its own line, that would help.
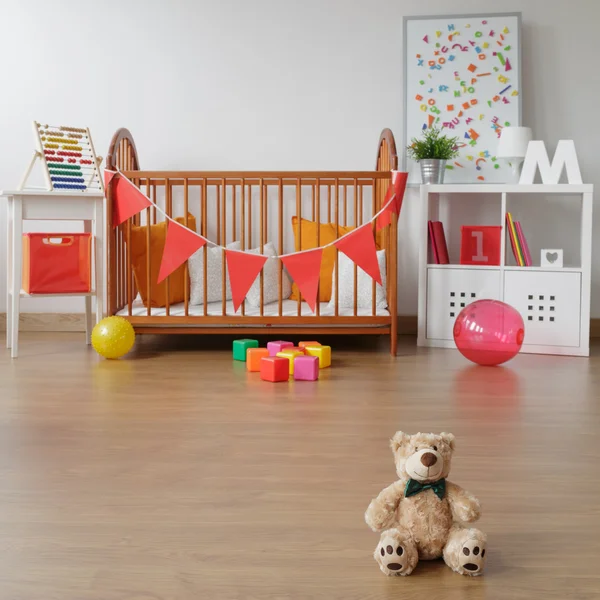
(399, 438)
(449, 439)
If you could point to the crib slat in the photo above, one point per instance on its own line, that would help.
(243, 227)
(249, 216)
(148, 265)
(218, 211)
(280, 250)
(373, 211)
(186, 283)
(205, 252)
(318, 210)
(222, 202)
(299, 225)
(357, 223)
(345, 205)
(262, 243)
(337, 235)
(233, 213)
(169, 211)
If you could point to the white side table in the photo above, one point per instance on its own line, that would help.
(56, 206)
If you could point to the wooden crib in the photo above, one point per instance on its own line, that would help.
(252, 208)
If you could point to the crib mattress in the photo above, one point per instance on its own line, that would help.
(215, 309)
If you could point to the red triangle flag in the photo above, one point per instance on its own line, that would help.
(127, 200)
(108, 177)
(180, 244)
(359, 247)
(305, 268)
(399, 183)
(243, 270)
(395, 193)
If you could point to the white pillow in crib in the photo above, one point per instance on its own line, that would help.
(214, 278)
(364, 282)
(270, 278)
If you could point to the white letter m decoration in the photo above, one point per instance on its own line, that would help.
(564, 157)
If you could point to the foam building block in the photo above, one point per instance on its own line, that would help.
(274, 368)
(240, 347)
(278, 346)
(304, 344)
(306, 368)
(253, 356)
(323, 353)
(290, 354)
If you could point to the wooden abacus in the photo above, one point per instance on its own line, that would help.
(68, 158)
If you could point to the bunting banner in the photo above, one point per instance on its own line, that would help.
(128, 200)
(359, 247)
(393, 199)
(108, 177)
(243, 270)
(180, 244)
(305, 268)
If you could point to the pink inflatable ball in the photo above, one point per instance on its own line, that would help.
(489, 332)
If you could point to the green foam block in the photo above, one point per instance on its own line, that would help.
(240, 347)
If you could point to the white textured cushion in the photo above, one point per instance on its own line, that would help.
(270, 278)
(214, 280)
(364, 281)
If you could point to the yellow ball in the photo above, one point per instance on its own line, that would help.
(113, 337)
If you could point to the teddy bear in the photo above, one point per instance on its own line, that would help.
(422, 516)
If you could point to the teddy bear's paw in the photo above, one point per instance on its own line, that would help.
(394, 556)
(472, 557)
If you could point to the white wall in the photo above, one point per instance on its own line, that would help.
(264, 84)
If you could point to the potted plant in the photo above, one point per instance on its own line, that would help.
(432, 151)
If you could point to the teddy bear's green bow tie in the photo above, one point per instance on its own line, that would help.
(414, 487)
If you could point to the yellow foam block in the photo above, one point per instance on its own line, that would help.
(290, 355)
(323, 353)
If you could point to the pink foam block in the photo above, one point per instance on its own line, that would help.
(306, 368)
(278, 346)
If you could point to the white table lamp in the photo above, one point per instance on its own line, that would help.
(513, 147)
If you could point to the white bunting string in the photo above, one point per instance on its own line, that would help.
(211, 244)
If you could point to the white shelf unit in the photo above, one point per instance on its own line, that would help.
(554, 303)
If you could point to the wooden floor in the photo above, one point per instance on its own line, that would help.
(174, 475)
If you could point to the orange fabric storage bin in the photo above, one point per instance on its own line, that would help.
(57, 263)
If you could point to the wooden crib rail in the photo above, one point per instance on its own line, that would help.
(251, 208)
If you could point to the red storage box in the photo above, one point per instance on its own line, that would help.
(480, 244)
(57, 263)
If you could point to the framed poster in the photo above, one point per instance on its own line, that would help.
(462, 74)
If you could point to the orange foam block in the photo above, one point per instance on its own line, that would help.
(450, 107)
(304, 344)
(472, 68)
(253, 357)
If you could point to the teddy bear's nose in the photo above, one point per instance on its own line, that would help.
(429, 459)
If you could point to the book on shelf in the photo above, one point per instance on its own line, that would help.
(436, 258)
(438, 243)
(523, 244)
(514, 240)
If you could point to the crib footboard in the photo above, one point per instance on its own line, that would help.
(271, 213)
